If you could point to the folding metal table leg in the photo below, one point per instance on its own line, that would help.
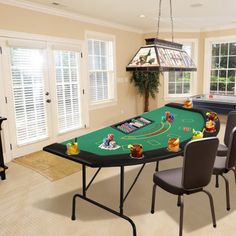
(84, 197)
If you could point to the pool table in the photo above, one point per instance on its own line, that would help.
(153, 135)
(220, 104)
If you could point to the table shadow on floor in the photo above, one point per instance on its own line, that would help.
(196, 213)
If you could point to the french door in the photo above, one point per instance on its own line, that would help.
(44, 92)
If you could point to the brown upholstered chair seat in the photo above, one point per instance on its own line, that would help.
(219, 165)
(170, 180)
(222, 150)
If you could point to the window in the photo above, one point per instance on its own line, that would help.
(68, 90)
(101, 70)
(180, 83)
(27, 72)
(223, 68)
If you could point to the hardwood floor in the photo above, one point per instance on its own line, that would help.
(32, 205)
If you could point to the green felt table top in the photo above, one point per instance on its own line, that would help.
(152, 136)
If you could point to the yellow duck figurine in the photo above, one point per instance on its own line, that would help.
(198, 134)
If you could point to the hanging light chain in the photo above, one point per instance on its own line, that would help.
(172, 23)
(159, 17)
(171, 19)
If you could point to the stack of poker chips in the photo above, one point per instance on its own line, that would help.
(145, 121)
(109, 141)
(168, 117)
(134, 124)
(126, 127)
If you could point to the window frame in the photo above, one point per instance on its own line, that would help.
(193, 84)
(113, 100)
(207, 60)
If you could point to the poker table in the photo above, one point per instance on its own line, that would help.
(153, 135)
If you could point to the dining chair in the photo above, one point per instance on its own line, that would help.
(223, 148)
(230, 124)
(223, 164)
(192, 177)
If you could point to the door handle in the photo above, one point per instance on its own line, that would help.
(48, 100)
(47, 93)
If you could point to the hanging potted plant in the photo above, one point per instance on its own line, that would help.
(147, 83)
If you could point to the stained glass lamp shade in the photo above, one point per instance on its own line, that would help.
(161, 55)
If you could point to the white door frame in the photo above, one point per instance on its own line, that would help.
(6, 91)
(5, 134)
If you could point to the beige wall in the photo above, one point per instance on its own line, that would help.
(129, 103)
(23, 20)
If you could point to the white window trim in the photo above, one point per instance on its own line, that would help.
(207, 58)
(193, 86)
(102, 36)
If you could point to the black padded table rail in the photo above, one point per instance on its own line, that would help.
(95, 160)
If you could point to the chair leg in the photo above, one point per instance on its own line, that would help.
(179, 200)
(234, 170)
(212, 207)
(181, 217)
(217, 181)
(157, 166)
(153, 198)
(227, 192)
(235, 174)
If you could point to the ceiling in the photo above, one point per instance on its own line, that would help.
(189, 15)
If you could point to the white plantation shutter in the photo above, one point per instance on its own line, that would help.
(101, 69)
(27, 72)
(68, 89)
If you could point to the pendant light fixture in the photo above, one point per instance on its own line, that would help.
(161, 55)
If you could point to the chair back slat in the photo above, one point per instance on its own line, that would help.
(199, 158)
(231, 154)
(230, 124)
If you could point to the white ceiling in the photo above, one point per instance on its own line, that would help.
(187, 15)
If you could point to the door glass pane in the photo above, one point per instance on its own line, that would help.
(27, 73)
(68, 90)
